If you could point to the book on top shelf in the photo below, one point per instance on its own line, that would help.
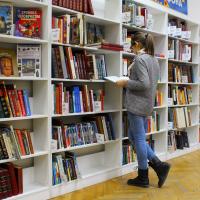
(28, 22)
(84, 6)
(6, 18)
(8, 62)
(137, 15)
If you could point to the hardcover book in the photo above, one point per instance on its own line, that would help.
(6, 18)
(28, 22)
(8, 62)
(29, 60)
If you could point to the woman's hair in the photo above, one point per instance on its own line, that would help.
(146, 40)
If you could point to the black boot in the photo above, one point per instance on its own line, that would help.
(142, 180)
(161, 169)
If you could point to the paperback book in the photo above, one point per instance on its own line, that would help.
(29, 60)
(28, 22)
(6, 18)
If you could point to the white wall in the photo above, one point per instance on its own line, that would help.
(194, 11)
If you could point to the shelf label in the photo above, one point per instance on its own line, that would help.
(139, 21)
(100, 138)
(55, 35)
(171, 54)
(126, 17)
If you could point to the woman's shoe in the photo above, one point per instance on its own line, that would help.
(142, 180)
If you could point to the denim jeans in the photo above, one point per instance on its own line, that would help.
(137, 135)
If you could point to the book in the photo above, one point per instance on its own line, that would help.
(6, 18)
(28, 22)
(8, 62)
(114, 79)
(29, 60)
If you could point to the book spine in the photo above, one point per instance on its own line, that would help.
(20, 140)
(26, 102)
(21, 102)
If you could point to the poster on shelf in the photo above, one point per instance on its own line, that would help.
(177, 5)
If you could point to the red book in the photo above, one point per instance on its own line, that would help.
(69, 57)
(19, 177)
(111, 45)
(13, 179)
(55, 2)
(102, 99)
(28, 134)
(81, 6)
(57, 100)
(28, 22)
(85, 6)
(20, 140)
(78, 5)
(21, 102)
(60, 98)
(67, 3)
(74, 3)
(90, 7)
(111, 48)
(70, 4)
(60, 3)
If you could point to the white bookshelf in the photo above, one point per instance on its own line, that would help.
(99, 161)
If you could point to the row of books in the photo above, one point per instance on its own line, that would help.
(151, 142)
(26, 22)
(84, 6)
(77, 65)
(180, 74)
(128, 154)
(13, 102)
(25, 62)
(126, 62)
(179, 118)
(95, 129)
(179, 95)
(177, 140)
(178, 28)
(136, 15)
(76, 99)
(179, 50)
(64, 168)
(15, 143)
(11, 180)
(153, 122)
(73, 29)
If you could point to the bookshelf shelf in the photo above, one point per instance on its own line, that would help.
(77, 80)
(23, 79)
(184, 40)
(36, 154)
(156, 132)
(83, 146)
(184, 105)
(23, 118)
(176, 83)
(86, 113)
(175, 129)
(154, 33)
(183, 62)
(20, 40)
(26, 3)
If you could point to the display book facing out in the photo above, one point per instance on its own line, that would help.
(94, 165)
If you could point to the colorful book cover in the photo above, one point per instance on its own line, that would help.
(29, 60)
(6, 18)
(8, 62)
(28, 22)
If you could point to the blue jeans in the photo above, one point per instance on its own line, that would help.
(137, 135)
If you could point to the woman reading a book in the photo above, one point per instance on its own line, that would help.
(140, 98)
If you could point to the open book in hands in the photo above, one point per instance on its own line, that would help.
(114, 79)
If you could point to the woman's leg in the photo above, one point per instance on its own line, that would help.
(150, 153)
(137, 136)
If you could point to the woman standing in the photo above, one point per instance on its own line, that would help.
(140, 98)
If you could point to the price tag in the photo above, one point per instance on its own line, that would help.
(185, 57)
(97, 106)
(55, 35)
(184, 79)
(171, 54)
(178, 32)
(100, 138)
(150, 22)
(139, 21)
(172, 31)
(170, 101)
(126, 17)
(170, 125)
(54, 144)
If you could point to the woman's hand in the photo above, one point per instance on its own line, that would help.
(122, 83)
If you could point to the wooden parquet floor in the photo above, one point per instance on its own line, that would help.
(183, 183)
